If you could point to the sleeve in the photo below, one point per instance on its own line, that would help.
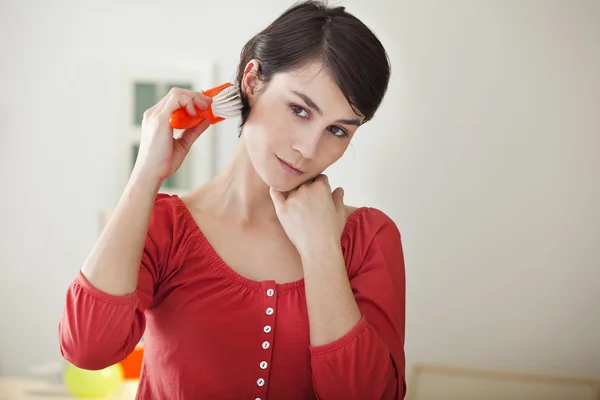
(369, 361)
(98, 329)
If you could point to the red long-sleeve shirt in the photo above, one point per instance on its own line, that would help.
(210, 333)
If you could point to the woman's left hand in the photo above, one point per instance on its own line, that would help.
(311, 215)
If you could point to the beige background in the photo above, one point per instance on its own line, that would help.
(485, 153)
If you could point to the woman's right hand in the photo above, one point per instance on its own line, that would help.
(160, 154)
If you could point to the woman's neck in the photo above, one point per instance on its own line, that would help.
(238, 192)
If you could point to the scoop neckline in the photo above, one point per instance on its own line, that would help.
(217, 261)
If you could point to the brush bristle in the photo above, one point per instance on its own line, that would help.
(228, 103)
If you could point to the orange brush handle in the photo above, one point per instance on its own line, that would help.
(180, 119)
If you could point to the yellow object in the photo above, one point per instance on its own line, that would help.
(86, 383)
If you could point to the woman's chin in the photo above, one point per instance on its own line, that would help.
(283, 188)
(281, 183)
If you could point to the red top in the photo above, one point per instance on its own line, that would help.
(210, 333)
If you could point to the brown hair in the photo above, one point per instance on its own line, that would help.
(312, 31)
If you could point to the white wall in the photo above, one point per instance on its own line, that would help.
(484, 152)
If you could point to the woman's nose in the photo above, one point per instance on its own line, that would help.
(307, 143)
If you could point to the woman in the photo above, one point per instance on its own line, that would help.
(262, 283)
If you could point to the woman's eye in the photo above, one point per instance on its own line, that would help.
(302, 113)
(337, 131)
(299, 111)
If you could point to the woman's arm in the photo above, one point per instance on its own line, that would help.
(104, 318)
(99, 328)
(113, 264)
(357, 325)
(332, 308)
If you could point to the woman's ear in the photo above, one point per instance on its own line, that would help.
(250, 80)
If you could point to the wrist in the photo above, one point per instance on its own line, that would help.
(328, 248)
(145, 179)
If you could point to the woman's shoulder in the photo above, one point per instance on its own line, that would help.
(171, 232)
(367, 219)
(165, 208)
(168, 216)
(368, 230)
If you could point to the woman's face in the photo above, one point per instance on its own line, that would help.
(299, 124)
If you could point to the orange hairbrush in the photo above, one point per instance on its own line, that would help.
(226, 104)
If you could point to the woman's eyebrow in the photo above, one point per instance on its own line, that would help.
(308, 101)
(315, 107)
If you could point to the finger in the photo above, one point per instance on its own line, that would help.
(202, 101)
(286, 195)
(338, 198)
(173, 93)
(189, 136)
(188, 104)
(318, 178)
(173, 101)
(178, 98)
(277, 197)
(199, 100)
(324, 180)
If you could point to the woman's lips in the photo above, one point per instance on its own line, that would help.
(287, 167)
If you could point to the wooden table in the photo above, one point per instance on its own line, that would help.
(31, 389)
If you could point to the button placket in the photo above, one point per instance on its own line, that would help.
(263, 362)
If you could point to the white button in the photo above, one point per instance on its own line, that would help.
(263, 365)
(270, 292)
(267, 329)
(258, 398)
(269, 311)
(260, 382)
(266, 345)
